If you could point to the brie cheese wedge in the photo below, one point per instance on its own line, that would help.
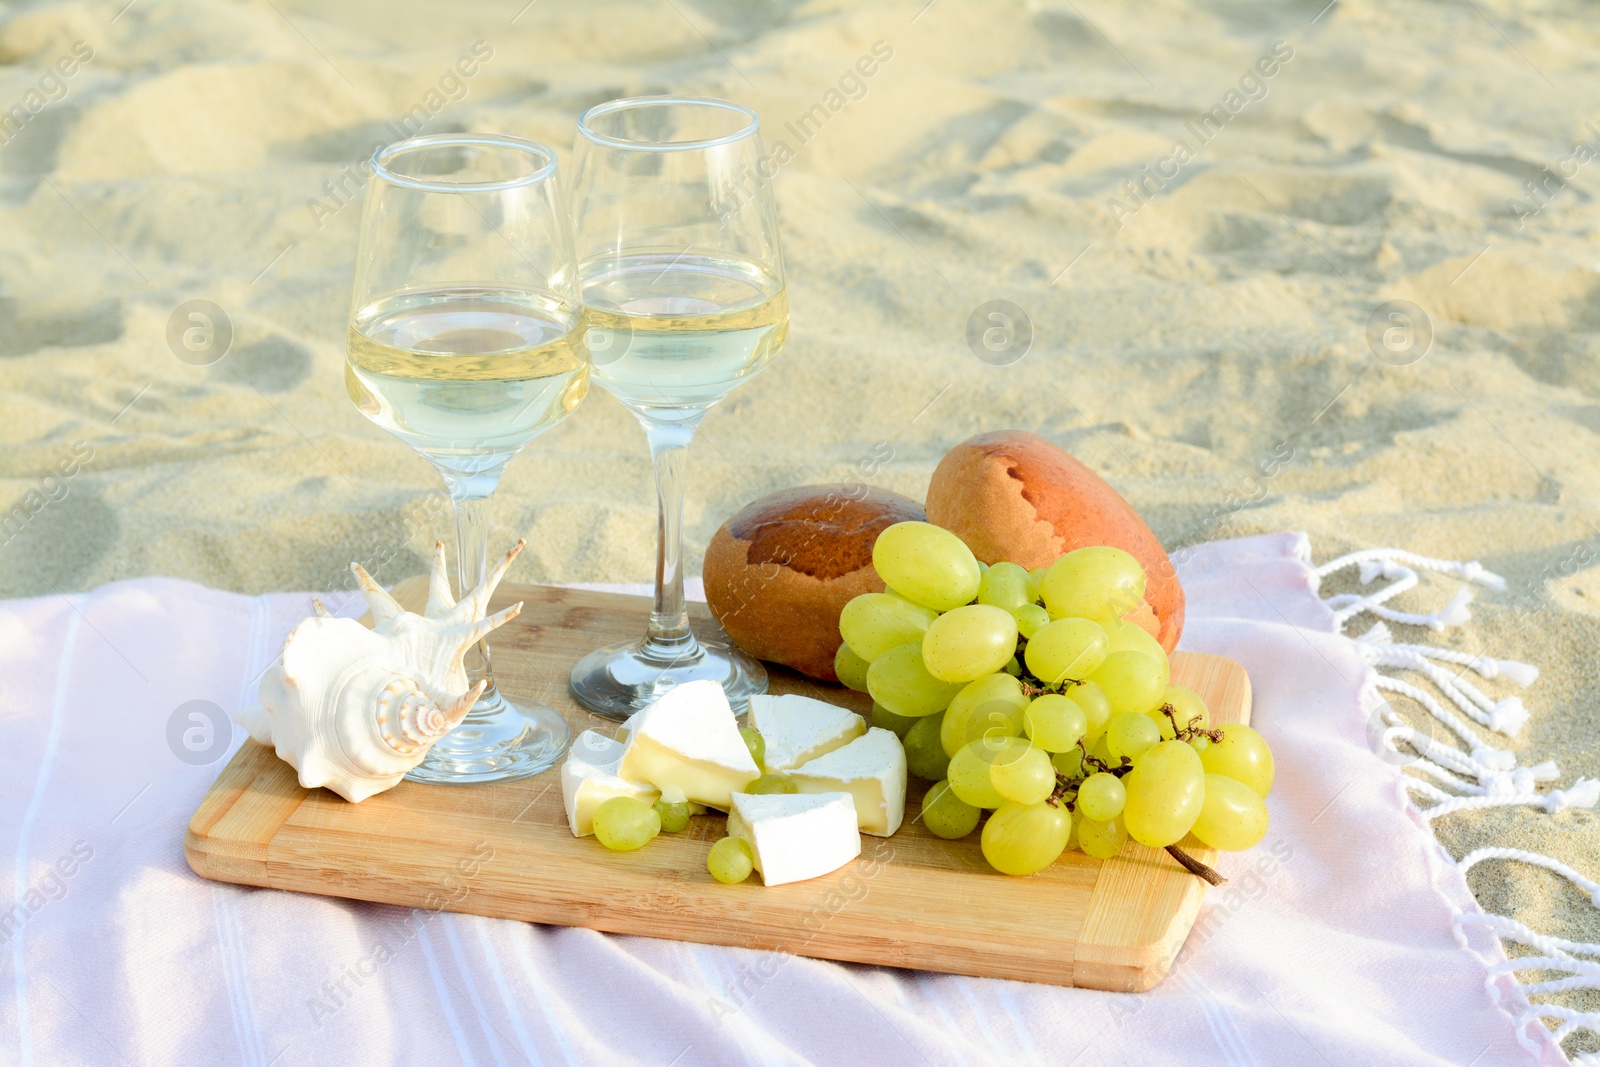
(689, 740)
(872, 769)
(589, 778)
(797, 729)
(795, 836)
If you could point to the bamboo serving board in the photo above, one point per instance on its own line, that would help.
(504, 850)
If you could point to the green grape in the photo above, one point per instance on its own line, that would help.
(991, 706)
(969, 642)
(851, 669)
(1099, 750)
(885, 719)
(1031, 618)
(755, 743)
(1096, 707)
(1020, 839)
(1233, 816)
(1054, 722)
(771, 783)
(1069, 763)
(927, 565)
(970, 770)
(1200, 743)
(1131, 680)
(1013, 668)
(925, 756)
(947, 815)
(1091, 583)
(1072, 833)
(1131, 637)
(674, 816)
(1005, 585)
(623, 824)
(1066, 648)
(899, 681)
(1101, 797)
(730, 860)
(1242, 755)
(1131, 734)
(1188, 710)
(1165, 791)
(983, 568)
(1036, 582)
(1101, 840)
(873, 623)
(1023, 775)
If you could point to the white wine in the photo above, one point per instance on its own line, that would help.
(670, 330)
(467, 376)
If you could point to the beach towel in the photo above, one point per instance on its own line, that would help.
(1347, 936)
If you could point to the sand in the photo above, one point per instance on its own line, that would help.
(1187, 330)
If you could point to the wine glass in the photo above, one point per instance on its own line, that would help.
(682, 281)
(465, 341)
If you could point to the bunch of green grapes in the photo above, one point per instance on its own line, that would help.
(1028, 695)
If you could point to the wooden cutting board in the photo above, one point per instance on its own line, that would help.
(911, 900)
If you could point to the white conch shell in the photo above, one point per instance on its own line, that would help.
(354, 709)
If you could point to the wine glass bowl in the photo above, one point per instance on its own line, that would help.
(465, 341)
(681, 276)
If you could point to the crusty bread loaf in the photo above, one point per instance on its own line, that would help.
(1012, 495)
(779, 572)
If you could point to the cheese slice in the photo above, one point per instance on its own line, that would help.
(797, 729)
(795, 836)
(872, 769)
(689, 740)
(673, 795)
(589, 778)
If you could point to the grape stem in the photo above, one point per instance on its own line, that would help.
(1032, 684)
(1065, 785)
(1124, 765)
(1192, 729)
(1195, 867)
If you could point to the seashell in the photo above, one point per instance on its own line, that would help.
(355, 709)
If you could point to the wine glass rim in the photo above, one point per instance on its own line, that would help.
(382, 157)
(627, 102)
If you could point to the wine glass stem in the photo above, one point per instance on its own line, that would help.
(472, 556)
(670, 636)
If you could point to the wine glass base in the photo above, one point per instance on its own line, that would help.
(497, 742)
(616, 681)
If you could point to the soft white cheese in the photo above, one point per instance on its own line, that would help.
(672, 795)
(795, 836)
(589, 778)
(689, 740)
(872, 769)
(797, 729)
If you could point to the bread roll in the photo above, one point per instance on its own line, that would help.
(779, 572)
(1012, 495)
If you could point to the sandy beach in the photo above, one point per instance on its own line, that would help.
(1205, 212)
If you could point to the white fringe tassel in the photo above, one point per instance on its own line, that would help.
(1476, 775)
